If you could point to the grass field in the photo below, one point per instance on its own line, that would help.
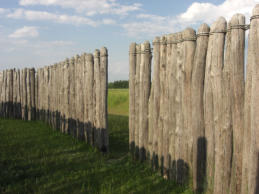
(118, 101)
(37, 159)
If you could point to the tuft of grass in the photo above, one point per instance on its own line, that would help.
(37, 159)
(118, 101)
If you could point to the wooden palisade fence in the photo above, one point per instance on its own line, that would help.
(71, 96)
(199, 121)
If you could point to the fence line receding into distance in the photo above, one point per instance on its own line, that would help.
(71, 96)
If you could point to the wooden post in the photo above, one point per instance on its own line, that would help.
(172, 84)
(253, 52)
(197, 89)
(66, 95)
(216, 75)
(189, 38)
(156, 102)
(163, 106)
(86, 97)
(179, 163)
(166, 108)
(137, 99)
(208, 116)
(104, 96)
(248, 133)
(10, 93)
(90, 88)
(77, 94)
(132, 72)
(97, 131)
(81, 97)
(145, 83)
(24, 88)
(237, 85)
(33, 103)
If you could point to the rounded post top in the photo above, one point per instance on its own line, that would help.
(104, 52)
(89, 57)
(189, 33)
(204, 28)
(255, 10)
(145, 47)
(219, 26)
(96, 53)
(237, 19)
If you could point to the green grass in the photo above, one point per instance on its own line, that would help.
(37, 159)
(118, 101)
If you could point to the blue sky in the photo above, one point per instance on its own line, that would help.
(35, 33)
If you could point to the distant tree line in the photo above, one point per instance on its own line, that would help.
(119, 84)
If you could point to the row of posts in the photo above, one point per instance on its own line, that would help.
(71, 96)
(199, 121)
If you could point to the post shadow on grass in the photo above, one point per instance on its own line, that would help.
(179, 170)
(80, 130)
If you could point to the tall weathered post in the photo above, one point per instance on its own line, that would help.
(197, 90)
(137, 99)
(145, 81)
(237, 50)
(156, 101)
(97, 132)
(132, 72)
(163, 106)
(253, 52)
(103, 99)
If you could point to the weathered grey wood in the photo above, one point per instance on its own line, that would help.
(104, 96)
(254, 62)
(137, 98)
(197, 90)
(132, 72)
(223, 137)
(179, 155)
(86, 97)
(189, 43)
(94, 106)
(216, 83)
(66, 95)
(163, 106)
(166, 109)
(172, 109)
(156, 101)
(208, 116)
(81, 96)
(90, 76)
(237, 79)
(32, 72)
(248, 106)
(97, 133)
(24, 97)
(145, 81)
(77, 94)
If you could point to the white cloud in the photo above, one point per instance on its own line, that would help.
(25, 32)
(47, 16)
(90, 7)
(153, 25)
(208, 12)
